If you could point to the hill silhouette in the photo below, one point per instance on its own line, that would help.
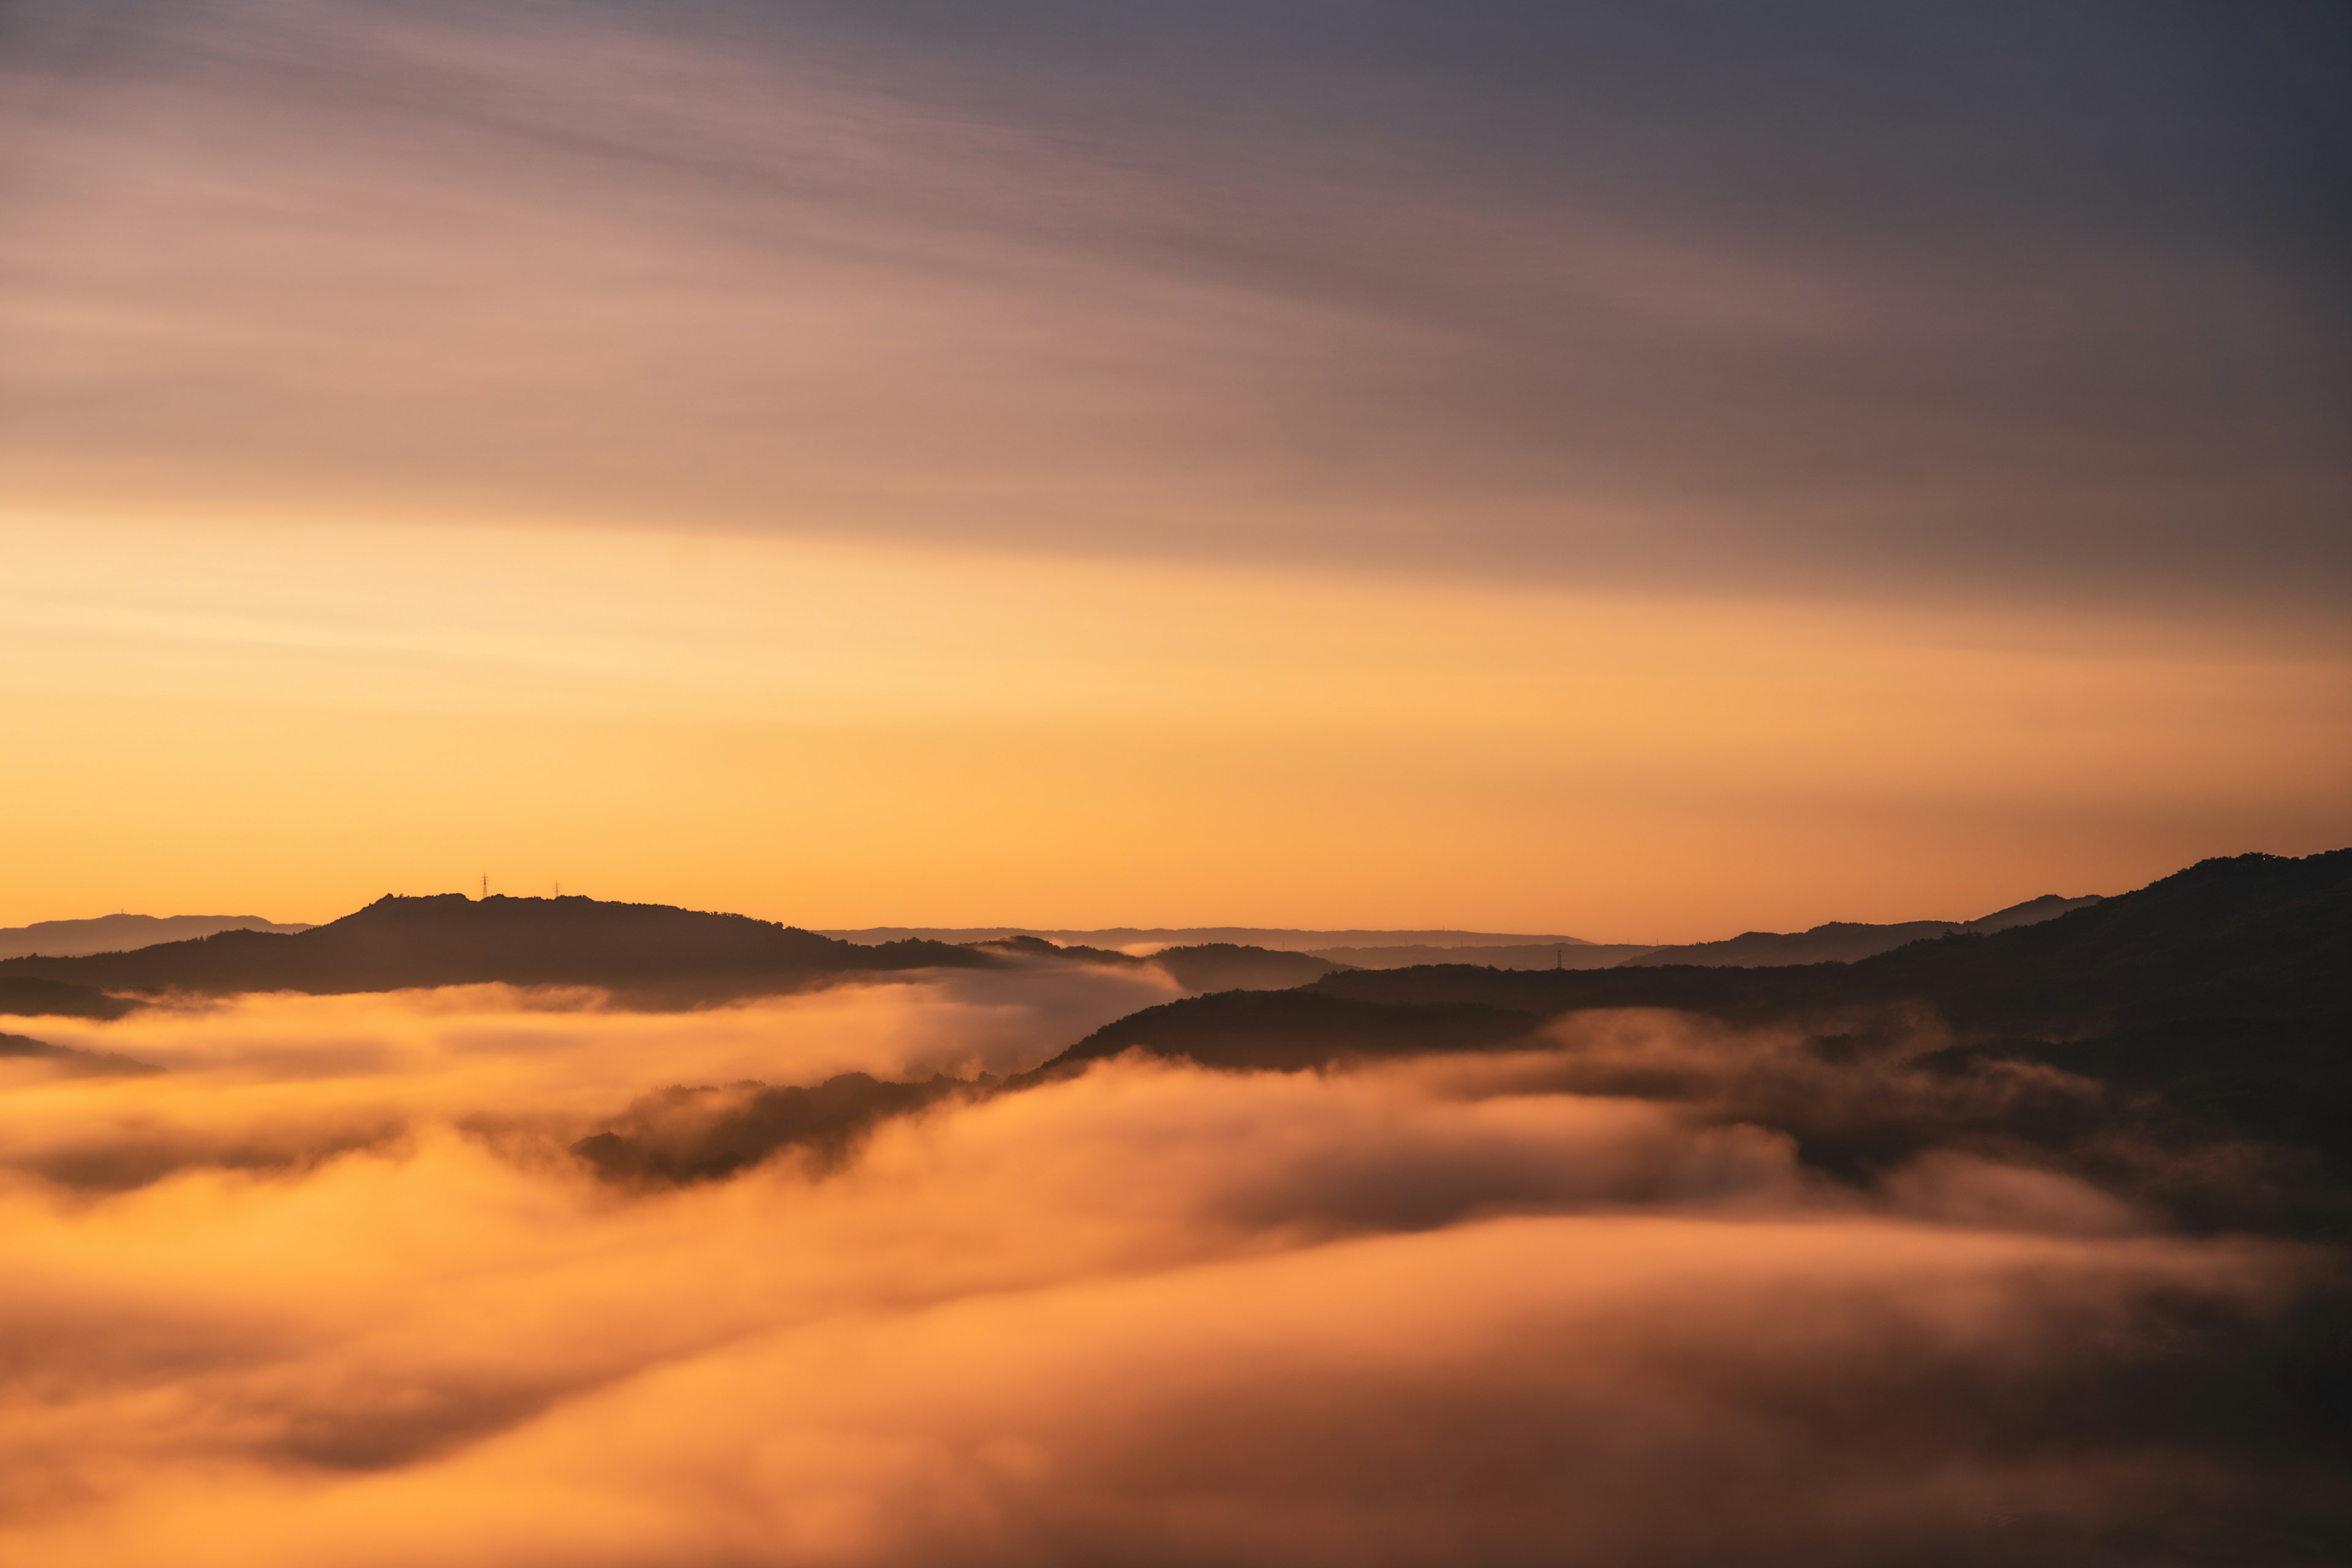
(1508, 955)
(26, 996)
(2223, 992)
(649, 952)
(703, 1134)
(1846, 942)
(1207, 966)
(2256, 935)
(1306, 1027)
(1276, 939)
(643, 954)
(120, 932)
(1230, 966)
(2183, 1047)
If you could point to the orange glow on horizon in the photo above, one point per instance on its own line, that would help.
(289, 720)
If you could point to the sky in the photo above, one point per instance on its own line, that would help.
(1645, 471)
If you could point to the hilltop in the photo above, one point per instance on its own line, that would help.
(643, 954)
(651, 951)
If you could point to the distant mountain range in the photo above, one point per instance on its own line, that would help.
(659, 955)
(649, 952)
(2187, 1046)
(2257, 937)
(1840, 941)
(1205, 966)
(1527, 954)
(1278, 938)
(2216, 1002)
(117, 934)
(645, 954)
(1844, 941)
(2220, 996)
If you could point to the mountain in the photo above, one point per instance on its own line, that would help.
(2033, 911)
(701, 1134)
(646, 954)
(2186, 1049)
(2255, 936)
(2222, 993)
(1514, 955)
(1209, 966)
(1304, 1027)
(116, 933)
(24, 996)
(1839, 941)
(649, 952)
(1845, 941)
(1275, 938)
(1228, 966)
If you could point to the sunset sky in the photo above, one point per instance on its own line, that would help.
(1644, 471)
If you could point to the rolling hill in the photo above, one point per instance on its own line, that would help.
(650, 952)
(2223, 992)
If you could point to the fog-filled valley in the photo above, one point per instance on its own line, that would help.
(1259, 783)
(889, 1270)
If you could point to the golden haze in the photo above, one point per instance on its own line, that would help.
(291, 719)
(329, 1290)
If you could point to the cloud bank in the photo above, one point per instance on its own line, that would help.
(1435, 1312)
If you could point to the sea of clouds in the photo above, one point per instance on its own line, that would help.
(335, 1289)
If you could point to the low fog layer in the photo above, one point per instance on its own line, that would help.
(345, 1284)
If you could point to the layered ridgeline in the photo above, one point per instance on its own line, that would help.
(1354, 948)
(2217, 1000)
(2256, 940)
(1839, 941)
(1848, 942)
(648, 955)
(395, 943)
(2186, 1047)
(2213, 1006)
(119, 932)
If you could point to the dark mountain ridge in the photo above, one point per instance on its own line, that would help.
(1849, 941)
(2184, 1046)
(1203, 966)
(24, 996)
(1278, 939)
(1508, 955)
(2258, 935)
(642, 950)
(2220, 996)
(643, 954)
